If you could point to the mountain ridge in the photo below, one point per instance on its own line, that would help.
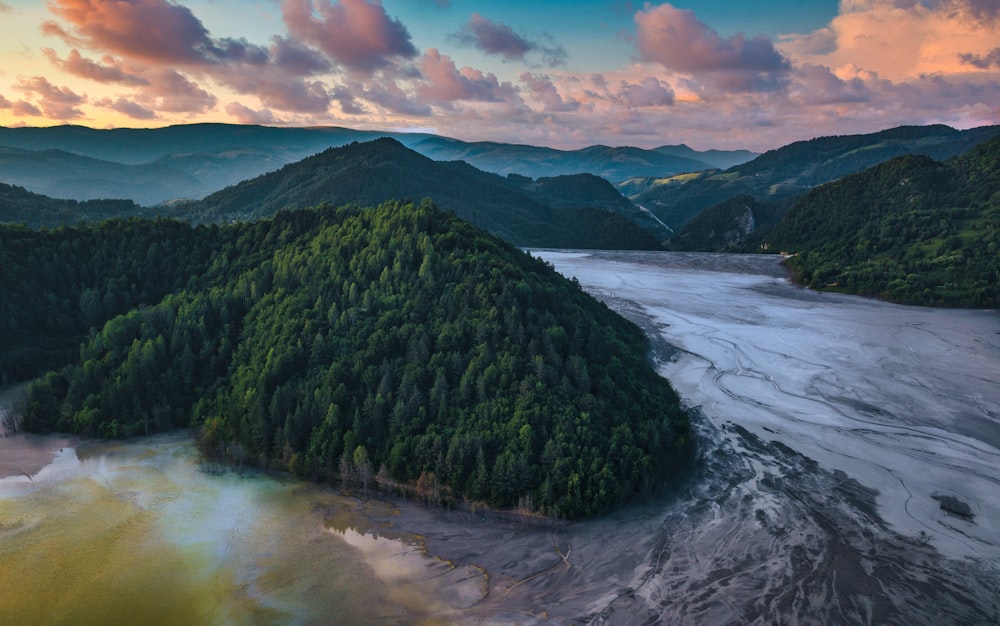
(782, 174)
(912, 230)
(188, 148)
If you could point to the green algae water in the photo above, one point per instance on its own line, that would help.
(137, 533)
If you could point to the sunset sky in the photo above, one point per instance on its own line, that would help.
(709, 73)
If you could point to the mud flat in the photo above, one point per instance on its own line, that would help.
(848, 473)
(850, 456)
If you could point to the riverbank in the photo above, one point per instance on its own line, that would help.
(24, 454)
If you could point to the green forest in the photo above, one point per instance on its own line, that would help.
(911, 230)
(398, 345)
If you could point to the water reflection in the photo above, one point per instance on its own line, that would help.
(136, 533)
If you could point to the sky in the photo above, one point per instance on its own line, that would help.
(724, 74)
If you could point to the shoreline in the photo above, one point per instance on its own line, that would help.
(25, 454)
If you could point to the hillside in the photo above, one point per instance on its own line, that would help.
(525, 213)
(345, 342)
(776, 178)
(911, 230)
(725, 227)
(20, 206)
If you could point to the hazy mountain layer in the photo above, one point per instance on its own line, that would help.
(215, 156)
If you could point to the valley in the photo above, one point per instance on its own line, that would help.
(834, 435)
(440, 312)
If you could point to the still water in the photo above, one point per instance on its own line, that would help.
(140, 533)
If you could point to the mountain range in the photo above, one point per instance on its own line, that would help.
(776, 178)
(911, 230)
(151, 166)
(579, 211)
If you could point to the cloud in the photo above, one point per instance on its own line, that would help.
(445, 83)
(22, 108)
(983, 62)
(386, 94)
(280, 90)
(300, 60)
(127, 107)
(649, 92)
(246, 115)
(817, 85)
(77, 65)
(4, 7)
(542, 88)
(902, 40)
(500, 39)
(347, 101)
(173, 92)
(144, 29)
(357, 34)
(680, 42)
(58, 103)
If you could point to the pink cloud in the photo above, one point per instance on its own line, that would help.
(902, 40)
(542, 88)
(77, 65)
(127, 107)
(649, 92)
(817, 85)
(145, 29)
(680, 42)
(57, 102)
(446, 83)
(173, 92)
(387, 94)
(357, 34)
(246, 115)
(22, 108)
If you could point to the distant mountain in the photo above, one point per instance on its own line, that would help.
(62, 174)
(20, 206)
(911, 230)
(720, 159)
(523, 211)
(779, 176)
(612, 164)
(214, 156)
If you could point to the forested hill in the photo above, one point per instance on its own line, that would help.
(20, 206)
(377, 171)
(911, 230)
(777, 177)
(400, 342)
